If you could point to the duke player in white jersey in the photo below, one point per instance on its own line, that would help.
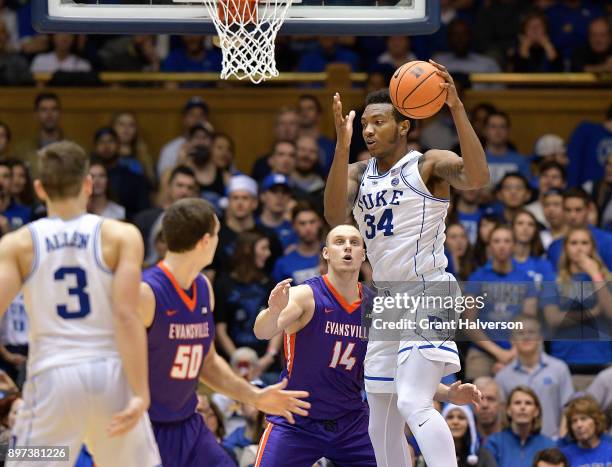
(399, 201)
(87, 366)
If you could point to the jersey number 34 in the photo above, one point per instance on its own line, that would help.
(385, 224)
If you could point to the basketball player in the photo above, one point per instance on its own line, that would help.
(399, 201)
(325, 347)
(176, 304)
(87, 359)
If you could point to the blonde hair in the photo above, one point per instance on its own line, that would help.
(565, 272)
(536, 424)
(62, 167)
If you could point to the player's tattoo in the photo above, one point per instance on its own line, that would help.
(451, 171)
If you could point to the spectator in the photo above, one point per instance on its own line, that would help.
(468, 213)
(9, 406)
(222, 152)
(569, 21)
(14, 68)
(528, 249)
(243, 441)
(239, 218)
(198, 135)
(5, 141)
(212, 416)
(282, 159)
(489, 411)
(193, 57)
(601, 389)
(241, 294)
(481, 249)
(586, 424)
(48, 113)
(132, 148)
(303, 262)
(100, 202)
(585, 305)
(596, 57)
(309, 112)
(131, 53)
(461, 58)
(517, 445)
(61, 58)
(130, 189)
(306, 177)
(461, 422)
(589, 146)
(551, 147)
(397, 53)
(326, 51)
(535, 52)
(513, 192)
(460, 250)
(275, 196)
(602, 192)
(12, 215)
(500, 157)
(507, 290)
(22, 188)
(551, 457)
(8, 20)
(14, 343)
(551, 175)
(211, 179)
(552, 207)
(181, 184)
(195, 112)
(287, 128)
(549, 377)
(575, 214)
(478, 117)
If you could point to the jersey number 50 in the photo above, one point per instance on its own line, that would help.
(187, 362)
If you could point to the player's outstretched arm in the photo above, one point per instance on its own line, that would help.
(343, 179)
(470, 171)
(273, 400)
(15, 253)
(289, 309)
(126, 257)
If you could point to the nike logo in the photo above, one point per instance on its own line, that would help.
(171, 312)
(328, 310)
(421, 424)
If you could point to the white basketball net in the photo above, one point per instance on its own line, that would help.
(247, 30)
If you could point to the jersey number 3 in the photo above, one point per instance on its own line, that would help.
(74, 275)
(385, 224)
(187, 361)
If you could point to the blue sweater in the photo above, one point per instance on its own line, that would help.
(508, 451)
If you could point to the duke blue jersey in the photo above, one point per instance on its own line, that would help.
(179, 338)
(401, 222)
(326, 356)
(68, 294)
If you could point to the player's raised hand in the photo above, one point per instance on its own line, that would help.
(462, 394)
(127, 419)
(452, 98)
(344, 123)
(274, 400)
(279, 297)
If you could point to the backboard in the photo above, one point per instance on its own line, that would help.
(309, 17)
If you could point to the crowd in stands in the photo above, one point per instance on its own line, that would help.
(537, 241)
(476, 36)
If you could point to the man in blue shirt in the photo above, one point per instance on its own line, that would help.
(469, 213)
(275, 196)
(327, 51)
(500, 157)
(193, 57)
(310, 111)
(576, 212)
(303, 262)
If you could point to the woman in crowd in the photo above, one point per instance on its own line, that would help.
(222, 152)
(536, 52)
(100, 202)
(460, 250)
(586, 424)
(240, 295)
(481, 248)
(462, 425)
(132, 148)
(528, 249)
(22, 188)
(516, 445)
(602, 193)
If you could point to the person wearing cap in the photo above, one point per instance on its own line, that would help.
(275, 198)
(194, 111)
(551, 175)
(240, 217)
(551, 147)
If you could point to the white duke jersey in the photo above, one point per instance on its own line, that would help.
(15, 323)
(401, 222)
(68, 294)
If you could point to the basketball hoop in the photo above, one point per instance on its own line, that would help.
(247, 30)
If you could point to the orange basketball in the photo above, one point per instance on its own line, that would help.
(415, 90)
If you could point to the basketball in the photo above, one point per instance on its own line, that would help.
(415, 90)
